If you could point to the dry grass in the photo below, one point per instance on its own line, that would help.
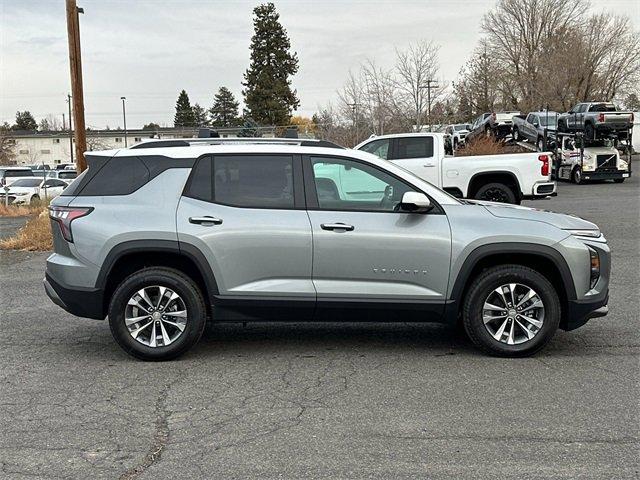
(481, 146)
(35, 236)
(22, 210)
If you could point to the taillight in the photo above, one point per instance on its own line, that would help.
(63, 216)
(601, 118)
(544, 168)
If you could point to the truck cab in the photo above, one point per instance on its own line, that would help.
(599, 161)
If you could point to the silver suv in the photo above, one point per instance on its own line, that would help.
(163, 236)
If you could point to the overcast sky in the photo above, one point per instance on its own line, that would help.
(149, 50)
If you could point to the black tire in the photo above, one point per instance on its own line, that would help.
(516, 134)
(540, 144)
(487, 282)
(34, 199)
(496, 192)
(619, 180)
(576, 176)
(180, 284)
(589, 132)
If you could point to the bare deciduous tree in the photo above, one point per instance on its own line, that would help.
(416, 68)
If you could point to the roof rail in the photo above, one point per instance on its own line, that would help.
(188, 142)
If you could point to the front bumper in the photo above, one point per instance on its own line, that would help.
(580, 312)
(86, 303)
(605, 175)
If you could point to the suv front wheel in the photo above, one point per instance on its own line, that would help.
(511, 311)
(157, 314)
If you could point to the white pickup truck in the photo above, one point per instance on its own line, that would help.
(507, 178)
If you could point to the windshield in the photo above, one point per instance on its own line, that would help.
(67, 174)
(26, 182)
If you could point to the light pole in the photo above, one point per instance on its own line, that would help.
(124, 118)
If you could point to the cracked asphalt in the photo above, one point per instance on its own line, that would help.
(325, 401)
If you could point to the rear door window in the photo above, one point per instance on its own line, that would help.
(414, 147)
(262, 181)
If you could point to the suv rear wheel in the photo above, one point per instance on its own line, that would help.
(511, 311)
(157, 314)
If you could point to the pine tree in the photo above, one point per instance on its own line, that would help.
(268, 95)
(25, 121)
(224, 112)
(184, 113)
(200, 116)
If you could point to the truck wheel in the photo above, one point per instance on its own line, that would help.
(511, 311)
(516, 134)
(496, 192)
(576, 176)
(540, 144)
(157, 314)
(589, 131)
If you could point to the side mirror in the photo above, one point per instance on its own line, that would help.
(415, 202)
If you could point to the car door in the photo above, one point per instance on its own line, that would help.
(246, 215)
(364, 248)
(417, 154)
(529, 132)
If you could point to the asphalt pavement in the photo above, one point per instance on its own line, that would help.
(326, 400)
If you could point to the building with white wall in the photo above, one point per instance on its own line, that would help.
(53, 148)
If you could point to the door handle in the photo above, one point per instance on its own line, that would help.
(336, 226)
(429, 164)
(205, 220)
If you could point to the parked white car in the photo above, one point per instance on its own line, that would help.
(25, 190)
(507, 178)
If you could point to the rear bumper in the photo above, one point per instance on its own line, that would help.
(607, 175)
(82, 303)
(580, 312)
(542, 190)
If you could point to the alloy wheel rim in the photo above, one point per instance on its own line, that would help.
(513, 313)
(155, 316)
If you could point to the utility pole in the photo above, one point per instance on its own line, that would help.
(70, 129)
(354, 108)
(75, 63)
(124, 117)
(430, 85)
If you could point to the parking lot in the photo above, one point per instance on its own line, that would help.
(325, 401)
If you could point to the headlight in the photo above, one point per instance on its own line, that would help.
(585, 233)
(595, 266)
